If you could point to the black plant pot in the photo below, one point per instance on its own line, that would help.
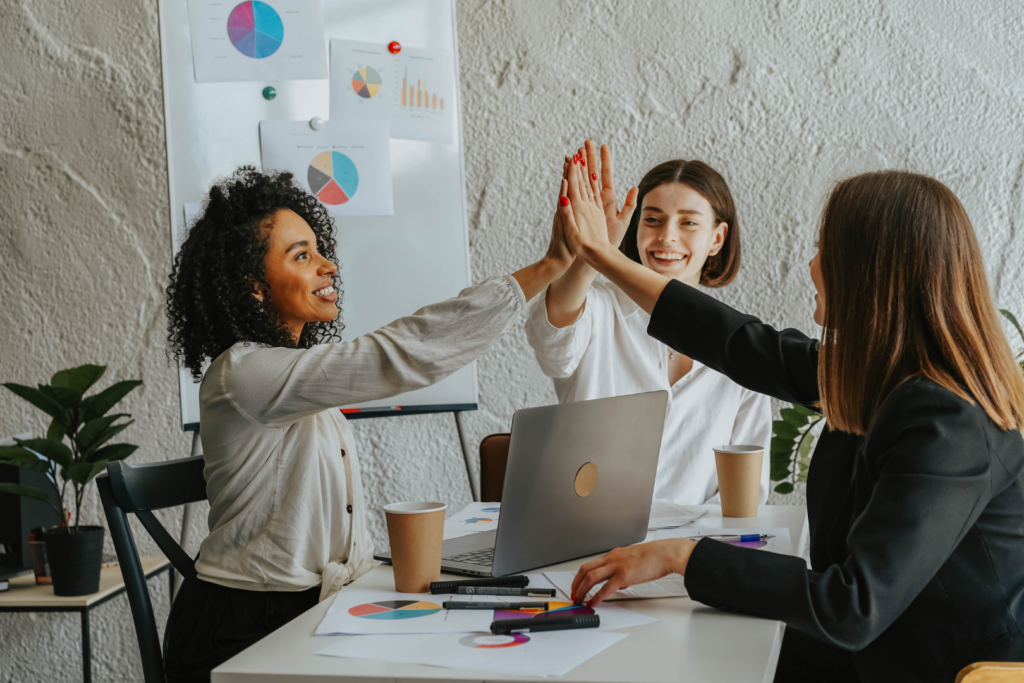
(75, 559)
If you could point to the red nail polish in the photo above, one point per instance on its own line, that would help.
(593, 176)
(564, 201)
(583, 160)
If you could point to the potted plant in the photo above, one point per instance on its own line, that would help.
(74, 550)
(793, 436)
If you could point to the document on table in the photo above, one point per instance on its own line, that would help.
(667, 515)
(474, 517)
(670, 586)
(550, 653)
(357, 611)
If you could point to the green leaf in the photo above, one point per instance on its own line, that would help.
(62, 396)
(784, 430)
(781, 446)
(793, 417)
(39, 400)
(79, 379)
(1009, 316)
(804, 452)
(57, 430)
(805, 411)
(90, 435)
(15, 455)
(784, 487)
(117, 451)
(83, 472)
(48, 448)
(97, 405)
(27, 491)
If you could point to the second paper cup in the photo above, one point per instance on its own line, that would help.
(739, 479)
(416, 532)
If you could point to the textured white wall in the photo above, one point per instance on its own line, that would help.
(783, 98)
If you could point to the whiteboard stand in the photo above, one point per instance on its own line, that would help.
(474, 486)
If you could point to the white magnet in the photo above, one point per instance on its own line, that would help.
(316, 123)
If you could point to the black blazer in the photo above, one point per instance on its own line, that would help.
(916, 530)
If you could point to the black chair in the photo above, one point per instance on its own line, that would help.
(141, 489)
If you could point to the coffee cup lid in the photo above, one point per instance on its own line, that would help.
(413, 508)
(738, 448)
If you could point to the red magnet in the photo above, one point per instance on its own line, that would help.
(394, 47)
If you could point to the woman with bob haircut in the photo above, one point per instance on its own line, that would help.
(255, 289)
(915, 495)
(592, 340)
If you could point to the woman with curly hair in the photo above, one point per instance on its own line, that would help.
(254, 289)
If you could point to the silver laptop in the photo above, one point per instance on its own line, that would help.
(579, 481)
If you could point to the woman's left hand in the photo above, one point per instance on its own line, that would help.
(625, 567)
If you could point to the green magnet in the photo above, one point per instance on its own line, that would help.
(270, 92)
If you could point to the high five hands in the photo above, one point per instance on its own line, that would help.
(588, 206)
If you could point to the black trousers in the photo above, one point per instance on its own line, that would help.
(210, 624)
(806, 660)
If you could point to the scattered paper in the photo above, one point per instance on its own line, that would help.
(414, 90)
(364, 611)
(670, 586)
(551, 653)
(474, 517)
(668, 515)
(345, 164)
(775, 540)
(257, 40)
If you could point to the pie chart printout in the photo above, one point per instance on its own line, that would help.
(480, 642)
(366, 82)
(255, 29)
(332, 177)
(394, 609)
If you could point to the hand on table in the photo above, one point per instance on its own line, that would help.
(625, 567)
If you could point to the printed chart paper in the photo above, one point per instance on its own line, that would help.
(346, 164)
(667, 515)
(670, 586)
(414, 90)
(474, 517)
(358, 611)
(552, 653)
(257, 40)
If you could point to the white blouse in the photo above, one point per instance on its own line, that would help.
(287, 511)
(607, 352)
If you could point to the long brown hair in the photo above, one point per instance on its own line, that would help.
(906, 295)
(720, 269)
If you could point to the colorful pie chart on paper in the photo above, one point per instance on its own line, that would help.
(366, 82)
(491, 510)
(481, 642)
(477, 520)
(333, 178)
(394, 609)
(255, 29)
(555, 609)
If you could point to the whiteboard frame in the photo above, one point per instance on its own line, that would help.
(173, 17)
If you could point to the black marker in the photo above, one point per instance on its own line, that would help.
(507, 590)
(531, 625)
(437, 587)
(496, 605)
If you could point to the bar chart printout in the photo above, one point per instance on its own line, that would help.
(415, 95)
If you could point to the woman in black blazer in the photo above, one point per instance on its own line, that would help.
(915, 495)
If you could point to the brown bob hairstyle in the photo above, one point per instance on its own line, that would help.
(720, 269)
(906, 295)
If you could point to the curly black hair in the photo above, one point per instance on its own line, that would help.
(210, 302)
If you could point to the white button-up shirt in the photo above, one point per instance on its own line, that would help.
(282, 474)
(607, 352)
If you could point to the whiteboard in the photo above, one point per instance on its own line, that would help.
(212, 128)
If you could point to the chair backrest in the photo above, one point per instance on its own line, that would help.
(992, 672)
(493, 461)
(140, 489)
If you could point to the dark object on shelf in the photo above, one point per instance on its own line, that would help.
(75, 559)
(19, 514)
(40, 562)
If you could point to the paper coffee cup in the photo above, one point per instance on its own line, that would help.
(739, 478)
(416, 532)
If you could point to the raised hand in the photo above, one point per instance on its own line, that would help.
(582, 210)
(617, 218)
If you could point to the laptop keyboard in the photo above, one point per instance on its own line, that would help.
(483, 557)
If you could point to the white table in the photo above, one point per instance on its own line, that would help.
(690, 643)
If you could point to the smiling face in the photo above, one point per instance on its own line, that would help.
(301, 280)
(677, 232)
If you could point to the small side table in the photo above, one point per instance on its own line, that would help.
(25, 596)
